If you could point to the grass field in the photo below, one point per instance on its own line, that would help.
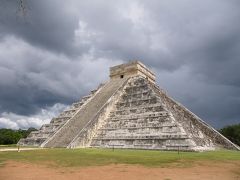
(14, 146)
(7, 146)
(95, 157)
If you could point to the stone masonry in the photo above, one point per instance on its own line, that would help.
(129, 111)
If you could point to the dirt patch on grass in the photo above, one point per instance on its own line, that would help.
(202, 170)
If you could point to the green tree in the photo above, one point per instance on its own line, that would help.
(232, 133)
(9, 136)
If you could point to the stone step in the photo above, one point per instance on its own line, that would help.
(185, 147)
(64, 116)
(156, 120)
(137, 134)
(142, 127)
(141, 137)
(135, 88)
(57, 123)
(142, 109)
(77, 104)
(138, 93)
(67, 113)
(139, 122)
(59, 119)
(31, 141)
(133, 109)
(84, 98)
(177, 145)
(132, 103)
(138, 116)
(70, 110)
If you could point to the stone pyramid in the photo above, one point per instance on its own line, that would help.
(129, 111)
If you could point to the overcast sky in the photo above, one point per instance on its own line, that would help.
(60, 50)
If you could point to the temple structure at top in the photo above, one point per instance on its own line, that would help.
(131, 69)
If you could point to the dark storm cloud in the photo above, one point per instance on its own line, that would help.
(31, 79)
(47, 24)
(54, 53)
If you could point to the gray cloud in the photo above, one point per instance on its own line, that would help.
(48, 24)
(32, 78)
(15, 121)
(63, 49)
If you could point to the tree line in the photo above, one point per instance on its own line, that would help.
(10, 136)
(232, 133)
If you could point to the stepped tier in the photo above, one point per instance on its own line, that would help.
(141, 120)
(129, 111)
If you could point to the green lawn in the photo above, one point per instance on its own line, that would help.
(14, 146)
(8, 146)
(88, 157)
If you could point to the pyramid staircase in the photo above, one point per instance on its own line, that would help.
(64, 136)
